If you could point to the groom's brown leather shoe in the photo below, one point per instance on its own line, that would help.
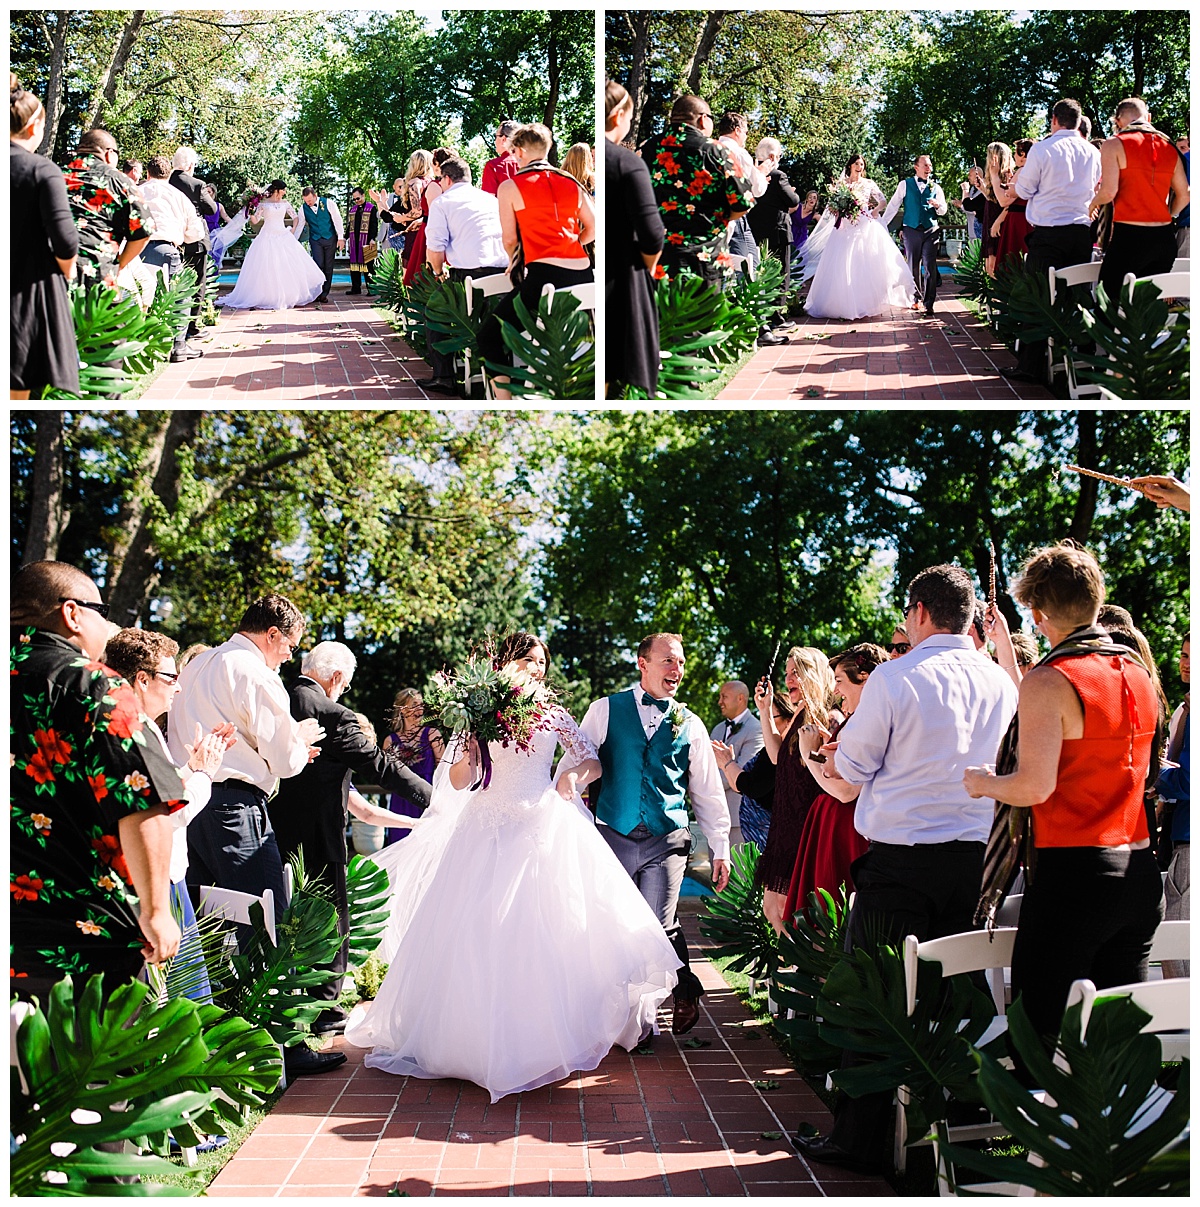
(686, 1016)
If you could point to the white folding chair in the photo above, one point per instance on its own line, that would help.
(1173, 285)
(974, 951)
(486, 287)
(1182, 264)
(1167, 1002)
(1172, 941)
(1065, 278)
(743, 264)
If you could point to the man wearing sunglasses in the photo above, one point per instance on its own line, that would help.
(89, 826)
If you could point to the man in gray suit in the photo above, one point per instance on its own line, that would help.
(741, 733)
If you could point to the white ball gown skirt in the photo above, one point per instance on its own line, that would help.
(521, 950)
(860, 272)
(276, 274)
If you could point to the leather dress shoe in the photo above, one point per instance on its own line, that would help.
(185, 353)
(768, 339)
(440, 385)
(330, 1022)
(298, 1062)
(686, 1016)
(823, 1150)
(1016, 373)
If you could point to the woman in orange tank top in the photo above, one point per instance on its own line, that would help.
(552, 218)
(1089, 719)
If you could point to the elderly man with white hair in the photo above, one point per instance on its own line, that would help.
(196, 248)
(310, 810)
(770, 219)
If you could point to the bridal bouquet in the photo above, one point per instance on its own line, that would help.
(477, 700)
(844, 203)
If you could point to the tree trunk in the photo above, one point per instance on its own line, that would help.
(133, 567)
(48, 514)
(55, 92)
(108, 93)
(1139, 55)
(703, 50)
(553, 71)
(1087, 424)
(639, 23)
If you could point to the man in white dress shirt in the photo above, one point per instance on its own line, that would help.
(1059, 180)
(232, 843)
(923, 202)
(173, 214)
(654, 755)
(463, 238)
(741, 732)
(922, 720)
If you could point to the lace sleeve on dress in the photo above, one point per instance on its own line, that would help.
(572, 738)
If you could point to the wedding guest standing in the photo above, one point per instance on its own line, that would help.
(434, 187)
(756, 781)
(737, 736)
(43, 243)
(634, 247)
(419, 747)
(172, 212)
(197, 247)
(550, 216)
(1058, 181)
(362, 232)
(1087, 718)
(770, 220)
(1012, 227)
(1143, 175)
(578, 161)
(504, 166)
(810, 687)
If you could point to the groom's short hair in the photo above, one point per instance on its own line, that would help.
(456, 169)
(308, 191)
(647, 643)
(1067, 113)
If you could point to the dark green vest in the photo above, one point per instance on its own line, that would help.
(643, 782)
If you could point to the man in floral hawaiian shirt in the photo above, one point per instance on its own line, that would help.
(114, 223)
(89, 864)
(698, 190)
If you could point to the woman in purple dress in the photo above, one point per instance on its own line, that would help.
(417, 746)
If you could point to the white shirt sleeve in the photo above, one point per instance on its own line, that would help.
(437, 229)
(594, 726)
(298, 221)
(1028, 178)
(863, 743)
(270, 724)
(894, 205)
(336, 215)
(706, 787)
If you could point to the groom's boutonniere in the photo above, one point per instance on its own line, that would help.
(677, 716)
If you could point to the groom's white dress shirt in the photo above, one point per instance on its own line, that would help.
(894, 206)
(706, 788)
(1059, 180)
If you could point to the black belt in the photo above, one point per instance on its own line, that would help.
(242, 785)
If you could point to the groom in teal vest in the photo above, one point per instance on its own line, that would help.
(923, 202)
(324, 223)
(654, 754)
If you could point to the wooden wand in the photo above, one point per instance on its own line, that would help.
(1094, 473)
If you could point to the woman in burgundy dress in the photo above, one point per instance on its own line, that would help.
(419, 747)
(1012, 226)
(432, 190)
(810, 688)
(829, 843)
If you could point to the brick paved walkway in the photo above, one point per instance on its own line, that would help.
(684, 1121)
(343, 351)
(899, 357)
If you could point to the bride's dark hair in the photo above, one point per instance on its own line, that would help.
(518, 645)
(276, 185)
(852, 161)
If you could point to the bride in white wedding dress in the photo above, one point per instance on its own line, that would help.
(520, 950)
(277, 272)
(860, 270)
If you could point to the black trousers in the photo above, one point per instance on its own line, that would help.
(356, 280)
(195, 255)
(537, 275)
(231, 843)
(443, 365)
(1088, 912)
(928, 891)
(320, 831)
(323, 251)
(781, 244)
(1141, 250)
(1051, 247)
(920, 247)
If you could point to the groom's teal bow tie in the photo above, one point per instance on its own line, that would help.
(650, 701)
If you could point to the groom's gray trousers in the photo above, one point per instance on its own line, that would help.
(921, 247)
(656, 863)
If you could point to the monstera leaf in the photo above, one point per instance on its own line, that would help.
(1082, 1131)
(970, 272)
(1021, 306)
(734, 919)
(97, 1072)
(388, 280)
(368, 891)
(862, 1008)
(809, 949)
(1141, 356)
(558, 350)
(167, 312)
(107, 333)
(681, 373)
(763, 297)
(688, 308)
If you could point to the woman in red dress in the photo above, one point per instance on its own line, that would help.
(1012, 227)
(433, 189)
(829, 843)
